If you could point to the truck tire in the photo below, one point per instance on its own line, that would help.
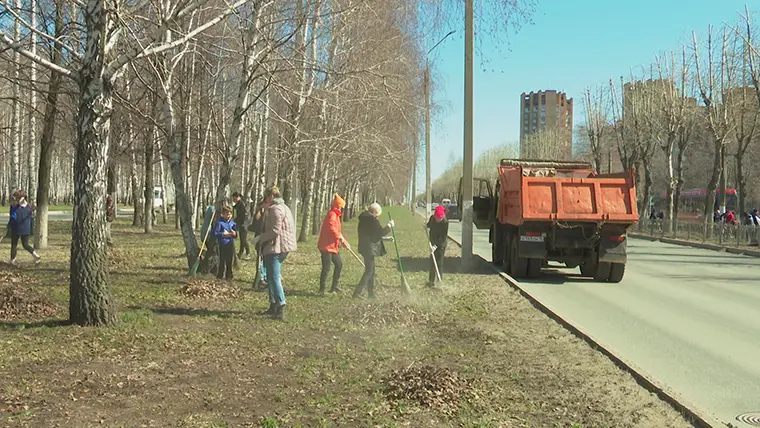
(534, 267)
(518, 266)
(603, 272)
(616, 272)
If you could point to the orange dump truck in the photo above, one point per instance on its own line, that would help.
(540, 211)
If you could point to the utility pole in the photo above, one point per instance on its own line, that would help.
(428, 202)
(428, 190)
(467, 214)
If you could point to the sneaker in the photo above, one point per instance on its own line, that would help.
(13, 263)
(37, 258)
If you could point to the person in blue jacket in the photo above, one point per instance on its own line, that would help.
(20, 225)
(226, 231)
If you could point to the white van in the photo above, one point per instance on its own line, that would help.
(158, 198)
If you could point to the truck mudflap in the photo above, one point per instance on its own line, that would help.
(613, 248)
(531, 244)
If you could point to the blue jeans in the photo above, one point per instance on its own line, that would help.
(262, 270)
(272, 263)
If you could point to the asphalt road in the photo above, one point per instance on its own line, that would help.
(688, 317)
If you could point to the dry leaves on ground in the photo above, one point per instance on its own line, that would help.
(386, 313)
(20, 301)
(120, 258)
(435, 387)
(204, 289)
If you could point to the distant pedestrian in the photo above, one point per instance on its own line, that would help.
(20, 225)
(330, 240)
(438, 227)
(278, 239)
(110, 217)
(241, 220)
(225, 231)
(371, 245)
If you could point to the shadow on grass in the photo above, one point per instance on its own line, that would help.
(450, 265)
(191, 312)
(20, 325)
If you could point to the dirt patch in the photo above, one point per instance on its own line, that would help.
(434, 387)
(20, 301)
(206, 289)
(380, 313)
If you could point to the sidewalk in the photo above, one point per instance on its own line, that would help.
(734, 239)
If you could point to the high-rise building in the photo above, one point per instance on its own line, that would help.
(547, 110)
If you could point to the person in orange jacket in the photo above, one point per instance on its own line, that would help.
(330, 240)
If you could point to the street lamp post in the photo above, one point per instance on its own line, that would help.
(428, 196)
(467, 214)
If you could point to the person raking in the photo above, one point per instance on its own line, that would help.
(438, 231)
(371, 245)
(226, 231)
(330, 240)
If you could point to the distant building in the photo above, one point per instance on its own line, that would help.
(548, 110)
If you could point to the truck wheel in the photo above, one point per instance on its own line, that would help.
(497, 251)
(534, 267)
(518, 266)
(603, 272)
(616, 272)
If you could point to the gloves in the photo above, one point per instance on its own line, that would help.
(433, 247)
(391, 223)
(344, 242)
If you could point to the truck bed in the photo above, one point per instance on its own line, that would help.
(564, 192)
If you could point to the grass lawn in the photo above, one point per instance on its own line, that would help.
(473, 353)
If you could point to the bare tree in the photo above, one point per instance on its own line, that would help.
(596, 123)
(713, 83)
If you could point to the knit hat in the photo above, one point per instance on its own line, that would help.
(440, 212)
(338, 202)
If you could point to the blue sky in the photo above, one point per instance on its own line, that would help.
(570, 46)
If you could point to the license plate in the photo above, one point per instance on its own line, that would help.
(531, 238)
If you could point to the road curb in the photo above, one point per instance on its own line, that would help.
(688, 410)
(701, 245)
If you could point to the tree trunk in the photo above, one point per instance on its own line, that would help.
(309, 199)
(15, 181)
(162, 185)
(670, 190)
(47, 141)
(90, 301)
(741, 182)
(148, 190)
(713, 184)
(33, 104)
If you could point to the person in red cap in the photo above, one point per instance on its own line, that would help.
(330, 240)
(438, 233)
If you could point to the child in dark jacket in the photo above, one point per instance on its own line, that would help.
(20, 225)
(438, 228)
(226, 232)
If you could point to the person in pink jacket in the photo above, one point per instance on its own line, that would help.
(278, 238)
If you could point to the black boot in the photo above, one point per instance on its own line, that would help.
(271, 311)
(279, 313)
